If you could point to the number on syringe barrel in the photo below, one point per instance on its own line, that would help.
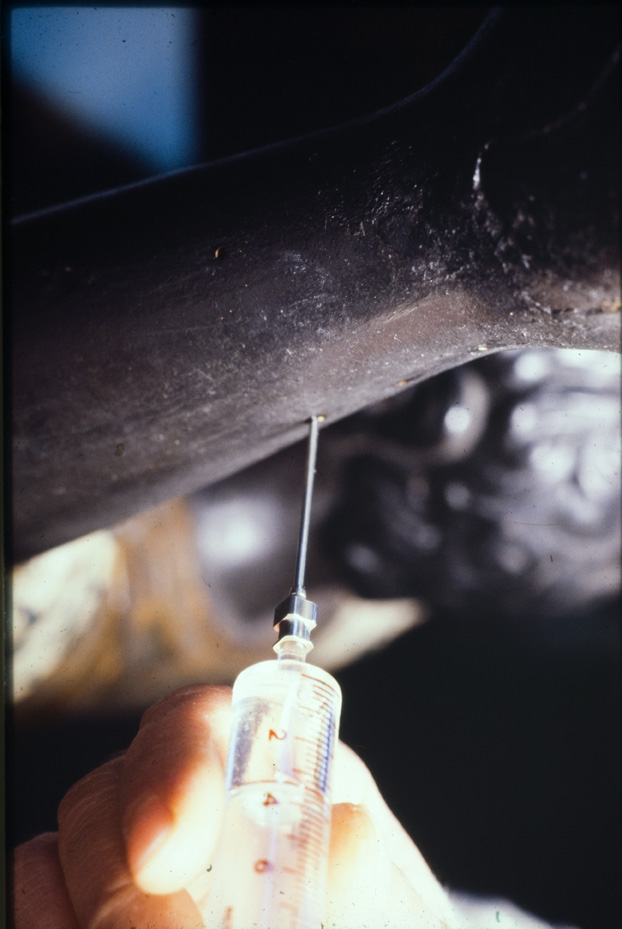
(301, 822)
(275, 735)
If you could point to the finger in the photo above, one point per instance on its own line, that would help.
(355, 786)
(40, 897)
(172, 787)
(92, 855)
(366, 888)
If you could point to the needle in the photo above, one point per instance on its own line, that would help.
(296, 615)
(305, 520)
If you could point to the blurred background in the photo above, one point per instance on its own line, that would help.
(465, 548)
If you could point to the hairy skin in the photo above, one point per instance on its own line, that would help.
(170, 333)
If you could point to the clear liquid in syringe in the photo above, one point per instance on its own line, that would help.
(270, 869)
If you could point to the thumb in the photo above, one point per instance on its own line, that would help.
(94, 866)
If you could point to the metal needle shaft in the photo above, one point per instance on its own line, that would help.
(303, 541)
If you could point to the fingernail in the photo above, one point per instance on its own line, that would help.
(355, 845)
(357, 875)
(148, 824)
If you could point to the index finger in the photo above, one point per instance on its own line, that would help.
(172, 787)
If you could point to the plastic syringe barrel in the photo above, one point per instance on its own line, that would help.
(269, 871)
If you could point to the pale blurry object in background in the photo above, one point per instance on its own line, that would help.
(63, 601)
(117, 619)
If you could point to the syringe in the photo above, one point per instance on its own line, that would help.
(270, 868)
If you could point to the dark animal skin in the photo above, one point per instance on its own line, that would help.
(167, 334)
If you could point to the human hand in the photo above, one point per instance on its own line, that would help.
(136, 835)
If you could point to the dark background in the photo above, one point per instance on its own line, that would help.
(495, 741)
